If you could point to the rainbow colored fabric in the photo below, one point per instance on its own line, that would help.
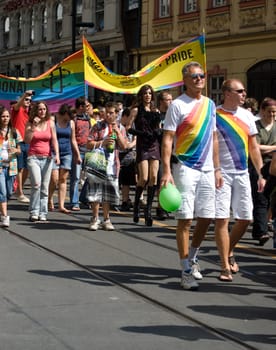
(194, 134)
(68, 80)
(162, 73)
(235, 134)
(63, 83)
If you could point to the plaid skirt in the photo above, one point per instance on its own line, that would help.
(103, 191)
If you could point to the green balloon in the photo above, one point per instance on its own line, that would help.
(169, 198)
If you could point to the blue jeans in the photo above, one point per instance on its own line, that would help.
(75, 176)
(40, 169)
(6, 185)
(23, 156)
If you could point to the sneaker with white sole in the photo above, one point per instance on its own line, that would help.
(5, 221)
(23, 199)
(33, 218)
(43, 219)
(196, 270)
(188, 281)
(95, 224)
(107, 225)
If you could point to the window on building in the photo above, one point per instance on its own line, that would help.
(18, 30)
(41, 66)
(29, 70)
(44, 24)
(79, 11)
(31, 27)
(133, 4)
(218, 3)
(99, 15)
(190, 6)
(6, 32)
(164, 8)
(59, 17)
(122, 62)
(18, 71)
(215, 82)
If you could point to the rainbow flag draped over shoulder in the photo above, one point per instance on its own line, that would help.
(194, 134)
(162, 73)
(235, 135)
(62, 83)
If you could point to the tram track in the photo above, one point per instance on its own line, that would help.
(209, 237)
(220, 334)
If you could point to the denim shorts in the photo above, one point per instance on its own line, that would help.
(22, 157)
(65, 162)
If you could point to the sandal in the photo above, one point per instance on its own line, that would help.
(234, 267)
(226, 276)
(65, 211)
(75, 208)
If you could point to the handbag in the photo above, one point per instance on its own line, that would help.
(127, 158)
(95, 164)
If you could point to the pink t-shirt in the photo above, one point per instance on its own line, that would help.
(41, 142)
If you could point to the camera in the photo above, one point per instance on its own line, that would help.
(30, 92)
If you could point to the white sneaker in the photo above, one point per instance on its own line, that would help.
(33, 218)
(107, 225)
(95, 224)
(23, 199)
(188, 282)
(5, 221)
(42, 219)
(196, 270)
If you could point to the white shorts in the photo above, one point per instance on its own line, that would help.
(235, 194)
(197, 190)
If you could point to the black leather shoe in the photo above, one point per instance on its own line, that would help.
(263, 239)
(161, 214)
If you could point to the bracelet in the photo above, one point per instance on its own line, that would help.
(261, 177)
(217, 169)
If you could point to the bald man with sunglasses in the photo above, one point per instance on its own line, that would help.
(237, 141)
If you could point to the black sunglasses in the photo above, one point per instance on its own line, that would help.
(197, 75)
(239, 91)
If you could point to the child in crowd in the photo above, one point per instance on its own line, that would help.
(105, 192)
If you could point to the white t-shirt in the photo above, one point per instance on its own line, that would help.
(194, 122)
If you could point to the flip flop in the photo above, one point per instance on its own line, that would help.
(226, 276)
(75, 209)
(65, 211)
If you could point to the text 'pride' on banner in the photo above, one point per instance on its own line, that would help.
(162, 73)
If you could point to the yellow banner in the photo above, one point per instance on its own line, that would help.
(162, 73)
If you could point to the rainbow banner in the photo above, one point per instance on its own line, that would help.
(162, 73)
(62, 83)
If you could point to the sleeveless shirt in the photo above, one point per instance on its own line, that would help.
(41, 142)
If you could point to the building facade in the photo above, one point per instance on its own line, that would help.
(35, 34)
(240, 39)
(128, 34)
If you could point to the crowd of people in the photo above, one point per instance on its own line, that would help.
(222, 159)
